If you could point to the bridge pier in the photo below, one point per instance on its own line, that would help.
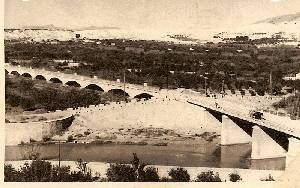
(231, 133)
(264, 147)
(293, 150)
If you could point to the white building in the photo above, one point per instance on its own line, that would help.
(292, 77)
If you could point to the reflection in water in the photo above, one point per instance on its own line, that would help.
(201, 155)
(235, 156)
(269, 164)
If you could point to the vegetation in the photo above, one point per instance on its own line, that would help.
(234, 177)
(269, 178)
(31, 95)
(208, 176)
(291, 104)
(239, 65)
(179, 175)
(43, 171)
(132, 172)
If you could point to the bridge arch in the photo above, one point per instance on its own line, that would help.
(26, 75)
(143, 96)
(55, 80)
(120, 92)
(40, 77)
(94, 87)
(16, 73)
(73, 83)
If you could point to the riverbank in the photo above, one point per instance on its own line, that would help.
(155, 120)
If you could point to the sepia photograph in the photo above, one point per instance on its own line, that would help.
(152, 91)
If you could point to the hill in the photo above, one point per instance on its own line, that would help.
(282, 19)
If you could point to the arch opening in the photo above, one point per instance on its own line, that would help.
(55, 80)
(119, 92)
(143, 96)
(16, 73)
(73, 84)
(40, 77)
(6, 72)
(94, 87)
(26, 75)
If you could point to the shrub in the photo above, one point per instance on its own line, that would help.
(179, 175)
(43, 171)
(234, 177)
(208, 176)
(11, 174)
(37, 171)
(46, 138)
(164, 179)
(121, 173)
(269, 178)
(133, 172)
(242, 92)
(70, 138)
(150, 175)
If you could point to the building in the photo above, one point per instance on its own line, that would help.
(292, 77)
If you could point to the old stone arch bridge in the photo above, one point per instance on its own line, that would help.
(75, 80)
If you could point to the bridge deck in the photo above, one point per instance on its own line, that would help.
(289, 129)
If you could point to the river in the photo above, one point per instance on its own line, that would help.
(176, 154)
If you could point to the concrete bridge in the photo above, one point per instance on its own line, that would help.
(268, 139)
(75, 80)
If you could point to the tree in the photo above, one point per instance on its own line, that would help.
(234, 177)
(121, 173)
(208, 176)
(179, 175)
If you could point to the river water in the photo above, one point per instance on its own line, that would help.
(186, 155)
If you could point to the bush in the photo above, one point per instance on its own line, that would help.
(11, 174)
(208, 176)
(242, 92)
(43, 171)
(269, 178)
(252, 93)
(179, 175)
(37, 171)
(121, 173)
(70, 138)
(150, 175)
(46, 138)
(133, 172)
(234, 177)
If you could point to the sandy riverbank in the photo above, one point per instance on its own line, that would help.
(136, 122)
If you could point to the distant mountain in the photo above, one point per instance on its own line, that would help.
(43, 27)
(288, 18)
(96, 28)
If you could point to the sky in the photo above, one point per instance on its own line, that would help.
(144, 14)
